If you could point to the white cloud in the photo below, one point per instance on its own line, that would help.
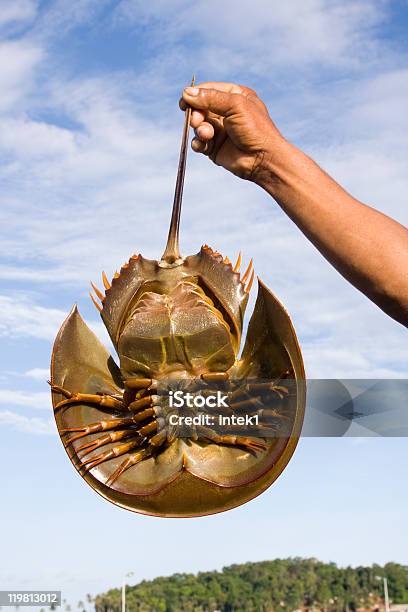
(30, 140)
(67, 175)
(17, 62)
(34, 275)
(29, 399)
(61, 16)
(382, 103)
(259, 34)
(32, 425)
(39, 374)
(22, 317)
(13, 11)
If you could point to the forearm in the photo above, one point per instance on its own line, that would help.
(368, 248)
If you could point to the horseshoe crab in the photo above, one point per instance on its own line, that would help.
(177, 319)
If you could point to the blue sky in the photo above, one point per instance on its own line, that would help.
(89, 138)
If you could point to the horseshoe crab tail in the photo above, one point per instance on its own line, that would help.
(172, 252)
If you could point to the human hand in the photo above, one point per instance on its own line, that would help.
(232, 127)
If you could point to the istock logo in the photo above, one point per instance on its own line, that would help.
(178, 399)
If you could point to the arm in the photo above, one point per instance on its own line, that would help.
(368, 248)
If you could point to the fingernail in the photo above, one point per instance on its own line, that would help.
(192, 91)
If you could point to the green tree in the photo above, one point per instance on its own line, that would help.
(281, 585)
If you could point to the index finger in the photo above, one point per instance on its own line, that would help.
(227, 88)
(222, 86)
(234, 88)
(218, 86)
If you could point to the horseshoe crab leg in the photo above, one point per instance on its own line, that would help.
(273, 386)
(132, 460)
(137, 389)
(117, 451)
(88, 398)
(140, 383)
(215, 376)
(159, 439)
(142, 403)
(122, 449)
(149, 429)
(97, 427)
(114, 436)
(94, 428)
(231, 440)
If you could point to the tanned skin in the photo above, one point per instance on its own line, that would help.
(234, 129)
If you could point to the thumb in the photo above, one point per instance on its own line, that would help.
(214, 100)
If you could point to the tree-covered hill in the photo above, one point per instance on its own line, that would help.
(282, 585)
